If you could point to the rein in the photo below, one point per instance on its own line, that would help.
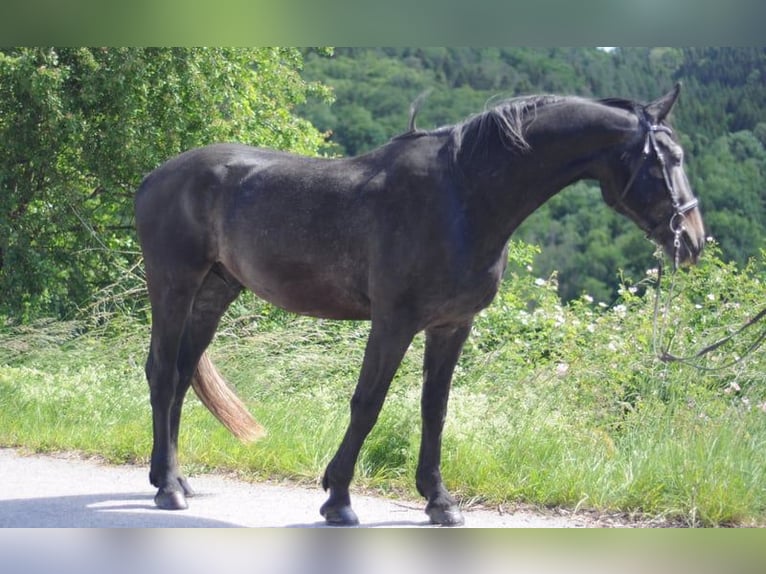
(677, 227)
(664, 354)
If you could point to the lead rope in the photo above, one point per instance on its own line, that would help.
(664, 354)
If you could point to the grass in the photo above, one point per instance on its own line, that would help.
(557, 406)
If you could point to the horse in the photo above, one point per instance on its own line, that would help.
(411, 236)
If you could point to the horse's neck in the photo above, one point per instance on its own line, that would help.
(567, 141)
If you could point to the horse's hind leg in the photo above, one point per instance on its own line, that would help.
(212, 299)
(443, 347)
(215, 295)
(171, 307)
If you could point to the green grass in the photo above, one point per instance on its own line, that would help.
(559, 406)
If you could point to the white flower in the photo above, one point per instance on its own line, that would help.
(732, 388)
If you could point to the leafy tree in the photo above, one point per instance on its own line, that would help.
(79, 127)
(731, 179)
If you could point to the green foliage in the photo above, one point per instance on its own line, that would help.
(585, 244)
(79, 129)
(732, 169)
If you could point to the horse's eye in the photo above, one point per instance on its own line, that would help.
(656, 171)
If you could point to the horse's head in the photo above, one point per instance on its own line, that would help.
(648, 184)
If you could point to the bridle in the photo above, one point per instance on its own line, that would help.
(677, 227)
(679, 209)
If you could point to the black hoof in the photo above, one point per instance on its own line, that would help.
(171, 500)
(450, 516)
(340, 516)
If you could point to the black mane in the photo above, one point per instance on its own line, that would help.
(505, 120)
(621, 103)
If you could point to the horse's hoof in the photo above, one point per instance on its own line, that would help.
(340, 516)
(171, 500)
(450, 516)
(188, 490)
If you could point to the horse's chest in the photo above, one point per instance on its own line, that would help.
(481, 290)
(468, 294)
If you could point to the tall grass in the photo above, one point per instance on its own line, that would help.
(554, 405)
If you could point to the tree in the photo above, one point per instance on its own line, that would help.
(731, 182)
(79, 127)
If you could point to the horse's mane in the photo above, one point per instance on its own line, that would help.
(505, 120)
(622, 103)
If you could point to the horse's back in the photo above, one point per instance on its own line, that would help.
(286, 226)
(199, 170)
(207, 189)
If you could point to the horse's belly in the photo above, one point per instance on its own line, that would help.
(305, 291)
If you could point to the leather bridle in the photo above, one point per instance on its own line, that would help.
(679, 209)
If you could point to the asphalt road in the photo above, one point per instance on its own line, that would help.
(67, 491)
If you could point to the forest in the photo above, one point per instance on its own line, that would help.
(79, 127)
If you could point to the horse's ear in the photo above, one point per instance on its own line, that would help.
(659, 109)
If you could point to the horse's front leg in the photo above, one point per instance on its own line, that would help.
(443, 347)
(386, 346)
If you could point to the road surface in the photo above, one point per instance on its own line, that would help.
(69, 491)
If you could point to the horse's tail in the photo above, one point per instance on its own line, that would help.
(222, 401)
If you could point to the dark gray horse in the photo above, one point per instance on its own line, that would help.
(411, 236)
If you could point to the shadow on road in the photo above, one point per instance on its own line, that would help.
(380, 524)
(103, 510)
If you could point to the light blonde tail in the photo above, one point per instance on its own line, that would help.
(223, 402)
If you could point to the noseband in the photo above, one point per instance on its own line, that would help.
(679, 209)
